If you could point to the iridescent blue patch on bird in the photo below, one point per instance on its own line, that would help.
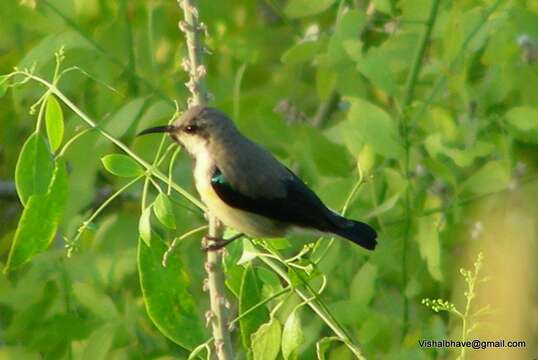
(218, 178)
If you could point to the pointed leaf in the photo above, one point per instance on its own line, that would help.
(54, 121)
(39, 220)
(523, 123)
(144, 226)
(371, 125)
(95, 300)
(34, 168)
(489, 178)
(250, 295)
(168, 301)
(162, 207)
(121, 165)
(266, 341)
(292, 336)
(100, 343)
(362, 286)
(301, 52)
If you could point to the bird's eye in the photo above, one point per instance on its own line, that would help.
(191, 129)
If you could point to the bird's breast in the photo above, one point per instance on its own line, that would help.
(243, 221)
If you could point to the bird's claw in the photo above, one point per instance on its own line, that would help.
(210, 243)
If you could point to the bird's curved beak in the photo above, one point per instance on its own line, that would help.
(158, 129)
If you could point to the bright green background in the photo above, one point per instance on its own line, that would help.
(272, 66)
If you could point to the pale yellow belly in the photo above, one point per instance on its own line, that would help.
(242, 221)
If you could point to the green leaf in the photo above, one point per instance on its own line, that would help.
(266, 341)
(375, 67)
(371, 125)
(54, 121)
(250, 295)
(362, 286)
(330, 158)
(462, 158)
(144, 226)
(302, 8)
(523, 123)
(126, 117)
(428, 241)
(301, 52)
(95, 300)
(384, 6)
(168, 301)
(489, 178)
(121, 165)
(345, 42)
(292, 336)
(44, 51)
(162, 207)
(100, 343)
(39, 220)
(34, 168)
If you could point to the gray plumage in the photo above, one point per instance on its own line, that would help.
(244, 186)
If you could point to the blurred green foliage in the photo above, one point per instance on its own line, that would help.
(326, 86)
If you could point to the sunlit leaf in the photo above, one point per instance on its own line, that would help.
(39, 220)
(375, 67)
(523, 123)
(100, 343)
(384, 6)
(301, 52)
(45, 49)
(121, 165)
(489, 178)
(362, 286)
(371, 125)
(162, 207)
(144, 226)
(330, 158)
(462, 158)
(54, 121)
(428, 239)
(168, 301)
(126, 117)
(95, 300)
(266, 341)
(302, 8)
(292, 336)
(250, 295)
(345, 43)
(34, 168)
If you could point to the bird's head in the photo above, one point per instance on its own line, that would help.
(196, 128)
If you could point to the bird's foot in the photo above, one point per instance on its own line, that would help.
(211, 243)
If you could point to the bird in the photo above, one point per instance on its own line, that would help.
(246, 188)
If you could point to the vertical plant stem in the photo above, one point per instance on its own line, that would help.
(131, 64)
(408, 99)
(218, 312)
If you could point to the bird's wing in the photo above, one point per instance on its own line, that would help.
(249, 168)
(298, 205)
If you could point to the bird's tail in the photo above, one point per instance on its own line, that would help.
(360, 233)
